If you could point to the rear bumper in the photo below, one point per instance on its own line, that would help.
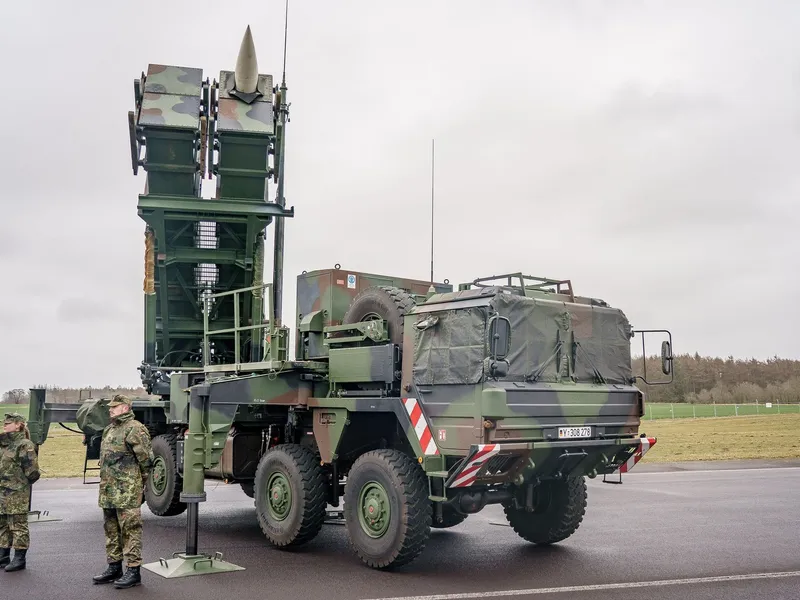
(492, 464)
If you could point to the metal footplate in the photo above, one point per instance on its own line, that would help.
(334, 517)
(186, 565)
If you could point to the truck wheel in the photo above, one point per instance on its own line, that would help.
(164, 485)
(450, 518)
(559, 507)
(290, 495)
(381, 302)
(386, 508)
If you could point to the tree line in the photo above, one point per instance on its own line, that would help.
(704, 380)
(66, 395)
(697, 379)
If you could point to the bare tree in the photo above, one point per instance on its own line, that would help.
(17, 396)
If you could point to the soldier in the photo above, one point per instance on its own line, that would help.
(126, 457)
(19, 470)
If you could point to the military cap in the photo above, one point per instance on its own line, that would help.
(119, 399)
(14, 418)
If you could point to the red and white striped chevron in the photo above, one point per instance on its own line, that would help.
(647, 443)
(468, 474)
(420, 426)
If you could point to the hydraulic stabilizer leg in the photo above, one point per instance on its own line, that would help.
(194, 464)
(191, 562)
(191, 526)
(36, 421)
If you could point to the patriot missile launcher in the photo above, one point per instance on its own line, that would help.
(182, 130)
(414, 402)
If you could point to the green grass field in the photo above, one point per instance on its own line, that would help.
(17, 408)
(724, 438)
(765, 436)
(655, 410)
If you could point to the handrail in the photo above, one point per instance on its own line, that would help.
(237, 328)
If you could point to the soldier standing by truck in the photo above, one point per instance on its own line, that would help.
(126, 457)
(19, 470)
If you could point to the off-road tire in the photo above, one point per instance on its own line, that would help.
(557, 518)
(298, 471)
(389, 303)
(405, 490)
(166, 504)
(450, 518)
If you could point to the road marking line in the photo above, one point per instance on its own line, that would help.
(598, 587)
(640, 473)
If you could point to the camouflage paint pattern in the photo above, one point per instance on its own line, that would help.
(171, 97)
(219, 403)
(353, 395)
(235, 115)
(330, 292)
(183, 123)
(170, 110)
(42, 414)
(336, 420)
(523, 417)
(14, 531)
(168, 124)
(19, 470)
(123, 533)
(168, 79)
(126, 457)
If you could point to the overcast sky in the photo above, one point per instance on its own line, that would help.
(646, 150)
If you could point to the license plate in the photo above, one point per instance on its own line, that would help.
(574, 432)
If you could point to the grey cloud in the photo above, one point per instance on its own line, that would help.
(85, 310)
(634, 105)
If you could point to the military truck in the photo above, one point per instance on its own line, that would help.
(411, 402)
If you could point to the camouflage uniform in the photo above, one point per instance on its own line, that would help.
(126, 457)
(19, 470)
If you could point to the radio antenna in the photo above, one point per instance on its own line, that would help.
(277, 259)
(285, 33)
(433, 153)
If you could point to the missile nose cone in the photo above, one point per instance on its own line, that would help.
(246, 72)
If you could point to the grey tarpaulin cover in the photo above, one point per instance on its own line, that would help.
(601, 335)
(452, 349)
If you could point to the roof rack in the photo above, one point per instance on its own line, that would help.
(526, 283)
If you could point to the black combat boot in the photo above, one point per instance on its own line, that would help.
(112, 572)
(18, 562)
(5, 556)
(130, 579)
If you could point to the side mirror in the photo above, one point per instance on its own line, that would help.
(666, 358)
(499, 337)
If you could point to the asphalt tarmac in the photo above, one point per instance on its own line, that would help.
(729, 530)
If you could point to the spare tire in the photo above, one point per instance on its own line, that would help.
(381, 302)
